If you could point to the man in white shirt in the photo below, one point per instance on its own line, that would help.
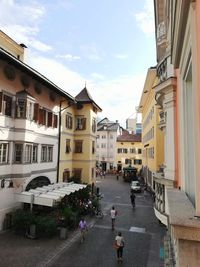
(113, 214)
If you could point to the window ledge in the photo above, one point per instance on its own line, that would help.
(182, 215)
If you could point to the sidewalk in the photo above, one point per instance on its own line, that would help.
(18, 251)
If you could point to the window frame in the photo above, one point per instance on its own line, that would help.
(76, 150)
(4, 152)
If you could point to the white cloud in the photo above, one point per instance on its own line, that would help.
(145, 18)
(91, 52)
(121, 56)
(21, 22)
(118, 97)
(56, 72)
(68, 57)
(97, 76)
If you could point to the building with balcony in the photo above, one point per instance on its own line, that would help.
(128, 151)
(78, 139)
(177, 94)
(107, 132)
(29, 131)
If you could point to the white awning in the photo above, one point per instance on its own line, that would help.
(48, 195)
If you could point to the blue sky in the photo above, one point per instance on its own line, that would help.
(108, 44)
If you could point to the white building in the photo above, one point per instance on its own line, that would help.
(107, 132)
(29, 127)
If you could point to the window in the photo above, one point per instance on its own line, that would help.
(21, 108)
(35, 154)
(103, 137)
(4, 152)
(5, 104)
(78, 146)
(103, 145)
(18, 153)
(80, 123)
(30, 110)
(69, 121)
(139, 151)
(77, 174)
(125, 150)
(119, 150)
(67, 147)
(137, 161)
(66, 175)
(93, 147)
(127, 161)
(27, 154)
(132, 150)
(151, 152)
(97, 136)
(50, 154)
(93, 125)
(46, 153)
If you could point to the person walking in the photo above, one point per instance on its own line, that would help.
(83, 229)
(119, 245)
(132, 197)
(113, 214)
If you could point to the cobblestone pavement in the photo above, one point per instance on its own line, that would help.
(141, 230)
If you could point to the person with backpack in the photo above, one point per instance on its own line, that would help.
(119, 246)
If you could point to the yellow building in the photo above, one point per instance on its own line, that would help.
(78, 139)
(128, 151)
(11, 46)
(152, 136)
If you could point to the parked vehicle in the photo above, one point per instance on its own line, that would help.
(135, 186)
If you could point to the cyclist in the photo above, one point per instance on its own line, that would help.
(83, 228)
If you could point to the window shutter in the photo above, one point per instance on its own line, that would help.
(71, 122)
(50, 117)
(1, 94)
(83, 123)
(40, 116)
(36, 112)
(55, 121)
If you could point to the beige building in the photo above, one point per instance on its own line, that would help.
(128, 151)
(78, 139)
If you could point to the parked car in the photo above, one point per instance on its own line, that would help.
(135, 186)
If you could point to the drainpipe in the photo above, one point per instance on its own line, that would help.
(59, 134)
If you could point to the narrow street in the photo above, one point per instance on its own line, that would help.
(142, 232)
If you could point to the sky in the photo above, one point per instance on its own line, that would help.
(107, 45)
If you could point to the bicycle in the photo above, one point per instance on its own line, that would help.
(99, 213)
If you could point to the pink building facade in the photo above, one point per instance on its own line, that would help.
(178, 94)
